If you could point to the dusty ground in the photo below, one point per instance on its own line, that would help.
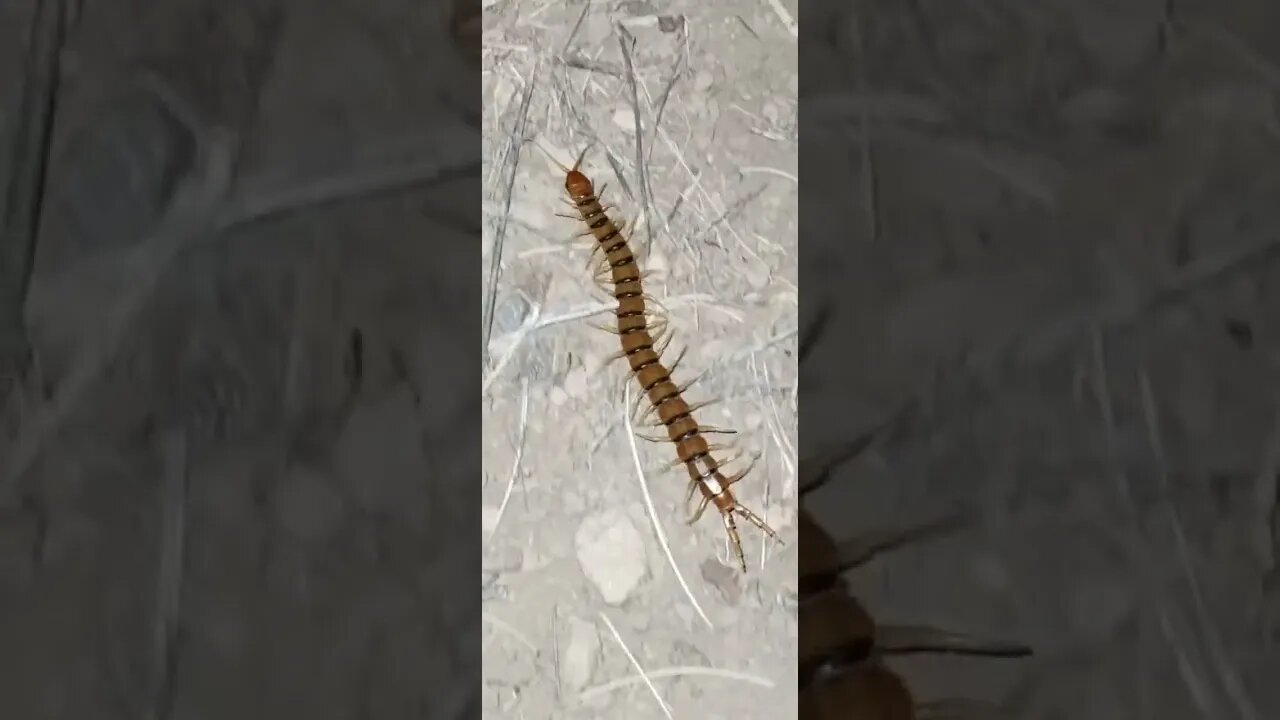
(1050, 228)
(571, 552)
(224, 487)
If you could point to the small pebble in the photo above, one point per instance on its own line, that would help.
(575, 383)
(723, 578)
(703, 81)
(612, 555)
(558, 396)
(579, 655)
(625, 120)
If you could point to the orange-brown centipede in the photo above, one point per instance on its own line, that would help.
(842, 674)
(644, 357)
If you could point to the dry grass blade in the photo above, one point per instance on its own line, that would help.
(169, 578)
(639, 668)
(189, 217)
(674, 672)
(626, 41)
(653, 515)
(510, 161)
(515, 464)
(1226, 672)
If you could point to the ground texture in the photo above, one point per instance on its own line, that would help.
(225, 475)
(576, 575)
(1049, 231)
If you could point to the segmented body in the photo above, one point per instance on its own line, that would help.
(640, 350)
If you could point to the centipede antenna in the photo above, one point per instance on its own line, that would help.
(577, 164)
(537, 143)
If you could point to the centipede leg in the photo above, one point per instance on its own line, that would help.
(605, 328)
(737, 476)
(591, 260)
(756, 520)
(731, 528)
(688, 496)
(702, 507)
(714, 430)
(694, 407)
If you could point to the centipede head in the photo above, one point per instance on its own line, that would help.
(577, 184)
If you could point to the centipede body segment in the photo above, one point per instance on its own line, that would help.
(640, 348)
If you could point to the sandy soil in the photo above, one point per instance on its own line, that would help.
(579, 592)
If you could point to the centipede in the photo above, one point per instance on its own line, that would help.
(843, 651)
(643, 347)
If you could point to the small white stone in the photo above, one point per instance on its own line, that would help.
(575, 383)
(625, 119)
(580, 654)
(558, 396)
(611, 554)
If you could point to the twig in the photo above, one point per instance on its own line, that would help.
(169, 577)
(636, 664)
(787, 21)
(1227, 674)
(530, 324)
(586, 7)
(511, 161)
(653, 515)
(624, 40)
(676, 71)
(869, 183)
(674, 672)
(515, 465)
(1165, 612)
(188, 218)
(22, 205)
